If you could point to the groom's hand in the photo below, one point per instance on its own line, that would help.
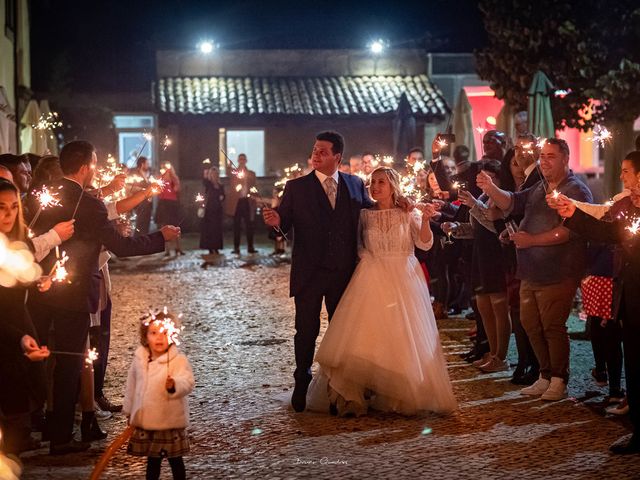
(271, 217)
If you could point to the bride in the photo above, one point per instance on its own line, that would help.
(382, 349)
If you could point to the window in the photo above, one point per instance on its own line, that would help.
(132, 145)
(131, 141)
(249, 142)
(133, 121)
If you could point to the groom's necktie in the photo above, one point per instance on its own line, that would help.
(331, 188)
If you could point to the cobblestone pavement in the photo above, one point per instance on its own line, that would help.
(238, 336)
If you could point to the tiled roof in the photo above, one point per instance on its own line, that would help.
(313, 96)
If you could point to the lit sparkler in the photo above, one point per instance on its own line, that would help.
(555, 194)
(47, 121)
(199, 198)
(635, 226)
(59, 272)
(601, 135)
(17, 264)
(206, 161)
(158, 184)
(166, 142)
(168, 323)
(46, 198)
(90, 356)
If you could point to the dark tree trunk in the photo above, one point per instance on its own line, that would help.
(622, 142)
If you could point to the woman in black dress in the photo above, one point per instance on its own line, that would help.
(211, 227)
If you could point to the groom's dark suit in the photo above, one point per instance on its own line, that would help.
(324, 253)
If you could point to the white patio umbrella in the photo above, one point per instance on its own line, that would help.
(7, 124)
(463, 124)
(32, 140)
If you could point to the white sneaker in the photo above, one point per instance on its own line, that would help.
(538, 388)
(557, 390)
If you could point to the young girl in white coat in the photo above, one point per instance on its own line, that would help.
(160, 378)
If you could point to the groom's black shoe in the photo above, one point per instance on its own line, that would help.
(299, 397)
(626, 445)
(333, 409)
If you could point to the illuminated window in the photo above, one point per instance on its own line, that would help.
(249, 142)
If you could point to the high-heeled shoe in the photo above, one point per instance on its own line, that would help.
(90, 428)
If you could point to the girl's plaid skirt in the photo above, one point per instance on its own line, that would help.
(159, 443)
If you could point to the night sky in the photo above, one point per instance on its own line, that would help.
(103, 46)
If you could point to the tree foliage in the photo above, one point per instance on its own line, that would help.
(588, 48)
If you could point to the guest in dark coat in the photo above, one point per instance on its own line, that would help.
(211, 232)
(66, 307)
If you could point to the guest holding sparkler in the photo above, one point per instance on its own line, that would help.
(160, 378)
(240, 205)
(525, 172)
(168, 211)
(67, 307)
(488, 273)
(144, 210)
(551, 262)
(622, 231)
(21, 383)
(211, 233)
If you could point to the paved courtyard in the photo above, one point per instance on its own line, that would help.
(239, 338)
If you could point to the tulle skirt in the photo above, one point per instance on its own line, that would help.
(382, 348)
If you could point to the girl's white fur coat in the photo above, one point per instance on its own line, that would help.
(147, 402)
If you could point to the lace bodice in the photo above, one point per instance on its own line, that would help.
(390, 233)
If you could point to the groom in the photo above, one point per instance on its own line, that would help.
(323, 208)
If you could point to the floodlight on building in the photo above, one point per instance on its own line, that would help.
(377, 46)
(206, 46)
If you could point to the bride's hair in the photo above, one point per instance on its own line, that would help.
(394, 181)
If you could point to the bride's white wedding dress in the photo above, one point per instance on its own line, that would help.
(382, 348)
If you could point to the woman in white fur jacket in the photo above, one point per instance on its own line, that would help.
(160, 378)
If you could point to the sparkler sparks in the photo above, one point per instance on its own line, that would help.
(47, 121)
(92, 356)
(206, 161)
(601, 135)
(635, 226)
(199, 198)
(166, 142)
(167, 323)
(16, 263)
(158, 184)
(555, 194)
(46, 198)
(59, 272)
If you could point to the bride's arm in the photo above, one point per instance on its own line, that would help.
(420, 228)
